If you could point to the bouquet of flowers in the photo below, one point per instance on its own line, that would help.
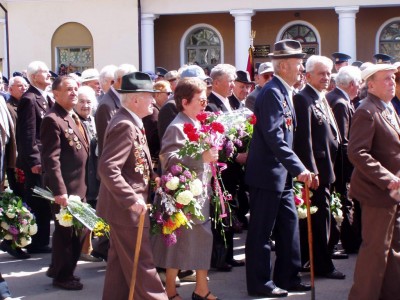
(239, 131)
(177, 205)
(299, 195)
(18, 224)
(335, 206)
(77, 214)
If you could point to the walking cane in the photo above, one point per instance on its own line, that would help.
(310, 240)
(137, 252)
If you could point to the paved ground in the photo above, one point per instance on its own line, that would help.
(27, 280)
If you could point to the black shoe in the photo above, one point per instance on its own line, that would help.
(36, 250)
(335, 274)
(98, 255)
(275, 293)
(300, 287)
(339, 255)
(224, 268)
(17, 252)
(198, 297)
(236, 263)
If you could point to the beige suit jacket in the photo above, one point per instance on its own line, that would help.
(125, 171)
(374, 150)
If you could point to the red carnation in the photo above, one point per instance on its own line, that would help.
(193, 136)
(202, 117)
(188, 128)
(217, 127)
(253, 119)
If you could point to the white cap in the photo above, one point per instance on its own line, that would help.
(372, 69)
(265, 68)
(89, 74)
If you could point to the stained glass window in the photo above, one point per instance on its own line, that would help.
(389, 40)
(305, 35)
(75, 58)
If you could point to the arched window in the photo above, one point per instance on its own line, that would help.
(303, 32)
(72, 45)
(203, 46)
(389, 39)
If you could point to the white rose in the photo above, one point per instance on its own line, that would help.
(24, 241)
(173, 183)
(196, 187)
(33, 229)
(25, 210)
(8, 190)
(4, 225)
(74, 198)
(302, 213)
(8, 237)
(313, 209)
(184, 197)
(10, 214)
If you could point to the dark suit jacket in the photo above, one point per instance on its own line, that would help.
(315, 142)
(12, 105)
(215, 104)
(31, 110)
(396, 104)
(107, 108)
(235, 102)
(374, 150)
(153, 140)
(271, 156)
(65, 154)
(125, 171)
(251, 98)
(166, 115)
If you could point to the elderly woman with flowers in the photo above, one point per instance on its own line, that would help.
(192, 249)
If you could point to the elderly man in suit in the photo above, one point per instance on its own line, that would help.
(33, 105)
(65, 153)
(265, 74)
(271, 166)
(340, 99)
(125, 171)
(374, 150)
(316, 144)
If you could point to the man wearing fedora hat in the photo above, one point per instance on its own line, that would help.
(125, 170)
(271, 167)
(240, 90)
(374, 148)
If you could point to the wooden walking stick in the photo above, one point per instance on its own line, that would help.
(137, 252)
(310, 240)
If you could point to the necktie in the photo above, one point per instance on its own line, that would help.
(80, 127)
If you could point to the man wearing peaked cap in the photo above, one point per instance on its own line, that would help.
(124, 193)
(357, 63)
(160, 72)
(340, 60)
(271, 165)
(374, 148)
(381, 58)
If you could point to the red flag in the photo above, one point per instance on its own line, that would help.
(250, 63)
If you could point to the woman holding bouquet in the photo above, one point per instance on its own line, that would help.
(192, 251)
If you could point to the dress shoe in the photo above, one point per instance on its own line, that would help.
(236, 263)
(300, 287)
(36, 250)
(198, 297)
(98, 255)
(335, 274)
(68, 284)
(275, 293)
(50, 273)
(339, 255)
(224, 268)
(17, 252)
(88, 257)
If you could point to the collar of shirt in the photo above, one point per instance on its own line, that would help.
(224, 100)
(44, 93)
(115, 92)
(320, 94)
(288, 88)
(344, 93)
(138, 120)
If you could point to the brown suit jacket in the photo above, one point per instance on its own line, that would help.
(107, 108)
(124, 169)
(374, 150)
(31, 110)
(65, 154)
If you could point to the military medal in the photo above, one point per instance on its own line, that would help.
(75, 138)
(78, 146)
(71, 143)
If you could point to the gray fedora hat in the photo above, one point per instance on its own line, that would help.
(287, 49)
(136, 82)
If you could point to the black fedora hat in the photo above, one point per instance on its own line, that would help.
(136, 82)
(243, 76)
(287, 49)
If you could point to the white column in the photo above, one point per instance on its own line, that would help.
(242, 36)
(347, 30)
(148, 42)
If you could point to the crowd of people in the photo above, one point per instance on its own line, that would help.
(108, 136)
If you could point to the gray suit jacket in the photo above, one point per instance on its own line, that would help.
(374, 150)
(251, 98)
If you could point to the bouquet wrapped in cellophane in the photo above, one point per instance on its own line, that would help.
(77, 214)
(299, 196)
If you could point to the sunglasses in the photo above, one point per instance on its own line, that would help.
(203, 101)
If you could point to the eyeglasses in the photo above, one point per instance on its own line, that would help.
(169, 93)
(203, 101)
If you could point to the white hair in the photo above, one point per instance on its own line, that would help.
(34, 67)
(123, 70)
(88, 92)
(318, 59)
(107, 72)
(12, 80)
(221, 70)
(348, 74)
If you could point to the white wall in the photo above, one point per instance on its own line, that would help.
(113, 25)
